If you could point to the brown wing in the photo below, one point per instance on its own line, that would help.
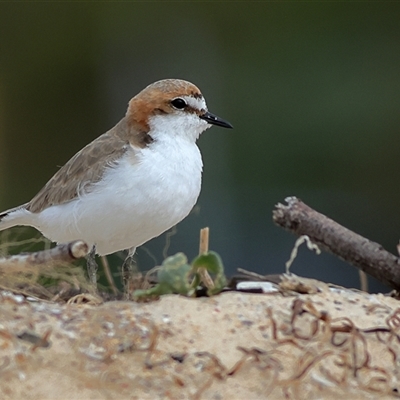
(87, 165)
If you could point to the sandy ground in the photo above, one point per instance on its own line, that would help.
(231, 346)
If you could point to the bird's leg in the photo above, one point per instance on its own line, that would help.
(128, 270)
(92, 266)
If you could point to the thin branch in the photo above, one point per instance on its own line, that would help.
(360, 252)
(204, 240)
(62, 253)
(203, 249)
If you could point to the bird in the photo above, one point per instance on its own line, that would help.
(132, 183)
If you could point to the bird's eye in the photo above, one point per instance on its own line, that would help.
(178, 103)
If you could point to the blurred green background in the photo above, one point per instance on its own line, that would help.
(312, 89)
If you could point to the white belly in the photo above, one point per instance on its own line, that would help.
(136, 200)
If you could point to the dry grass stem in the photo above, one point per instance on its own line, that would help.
(203, 249)
(109, 277)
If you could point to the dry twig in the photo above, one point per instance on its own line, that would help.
(63, 253)
(203, 249)
(362, 253)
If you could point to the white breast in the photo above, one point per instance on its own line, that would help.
(147, 192)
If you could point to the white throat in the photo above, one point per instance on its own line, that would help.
(178, 126)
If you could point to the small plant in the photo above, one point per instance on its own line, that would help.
(176, 275)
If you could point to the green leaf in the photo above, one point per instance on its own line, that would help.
(173, 277)
(212, 262)
(174, 274)
(177, 276)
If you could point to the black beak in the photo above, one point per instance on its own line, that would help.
(214, 120)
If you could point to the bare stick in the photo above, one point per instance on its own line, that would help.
(362, 253)
(67, 252)
(204, 240)
(203, 249)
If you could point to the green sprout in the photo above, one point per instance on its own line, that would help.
(176, 275)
